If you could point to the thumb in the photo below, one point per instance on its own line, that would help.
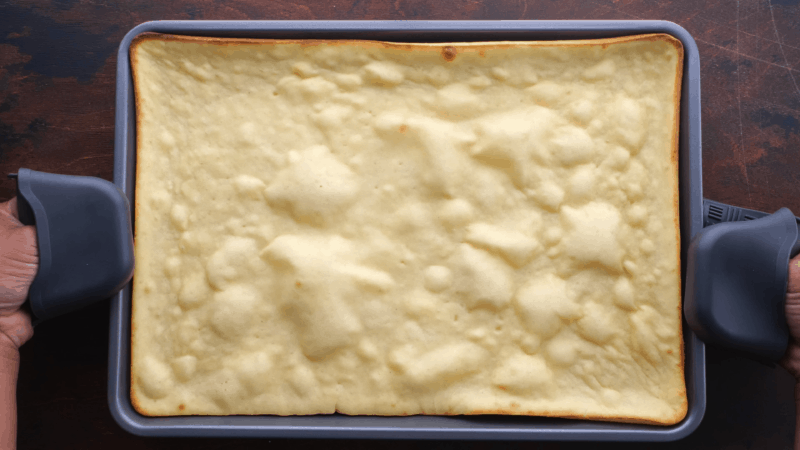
(10, 212)
(794, 275)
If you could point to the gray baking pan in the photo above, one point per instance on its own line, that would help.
(414, 427)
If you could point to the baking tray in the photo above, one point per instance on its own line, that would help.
(412, 427)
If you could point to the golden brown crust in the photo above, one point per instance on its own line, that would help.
(449, 52)
(137, 102)
(675, 188)
(556, 414)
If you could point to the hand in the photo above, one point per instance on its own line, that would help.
(19, 260)
(791, 360)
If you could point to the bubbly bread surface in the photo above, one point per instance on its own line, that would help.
(393, 229)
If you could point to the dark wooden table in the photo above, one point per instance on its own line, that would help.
(57, 80)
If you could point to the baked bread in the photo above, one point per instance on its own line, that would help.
(390, 229)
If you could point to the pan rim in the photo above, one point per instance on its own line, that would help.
(415, 427)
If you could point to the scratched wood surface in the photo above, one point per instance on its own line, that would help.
(57, 75)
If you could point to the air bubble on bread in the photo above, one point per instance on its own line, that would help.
(596, 325)
(481, 279)
(624, 294)
(456, 101)
(253, 370)
(422, 303)
(317, 88)
(617, 158)
(194, 290)
(550, 195)
(390, 123)
(437, 278)
(637, 214)
(161, 199)
(167, 139)
(592, 234)
(188, 337)
(383, 73)
(479, 82)
(249, 187)
(508, 140)
(603, 69)
(331, 118)
(542, 303)
(633, 180)
(631, 267)
(500, 74)
(582, 110)
(512, 245)
(368, 278)
(233, 310)
(582, 182)
(478, 334)
(308, 89)
(523, 374)
(305, 253)
(180, 217)
(310, 267)
(645, 340)
(572, 145)
(230, 262)
(552, 235)
(302, 380)
(547, 93)
(647, 246)
(172, 266)
(155, 378)
(444, 365)
(304, 69)
(563, 349)
(315, 187)
(184, 367)
(324, 325)
(248, 134)
(443, 142)
(530, 343)
(501, 158)
(456, 212)
(348, 81)
(629, 117)
(367, 350)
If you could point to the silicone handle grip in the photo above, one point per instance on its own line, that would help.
(736, 279)
(85, 239)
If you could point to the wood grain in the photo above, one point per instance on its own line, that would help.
(57, 82)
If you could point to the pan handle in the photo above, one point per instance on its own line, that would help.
(85, 240)
(736, 279)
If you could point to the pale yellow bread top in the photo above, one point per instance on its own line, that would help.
(393, 229)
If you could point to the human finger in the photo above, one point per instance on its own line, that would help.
(794, 275)
(17, 327)
(9, 211)
(791, 360)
